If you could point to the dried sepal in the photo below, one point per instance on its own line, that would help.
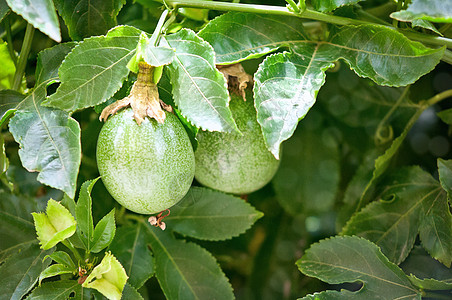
(236, 77)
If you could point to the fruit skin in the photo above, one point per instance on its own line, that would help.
(146, 168)
(233, 163)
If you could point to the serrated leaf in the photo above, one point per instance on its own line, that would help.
(211, 215)
(239, 43)
(54, 270)
(430, 10)
(49, 138)
(7, 68)
(411, 202)
(95, 69)
(9, 100)
(445, 176)
(130, 292)
(425, 24)
(185, 270)
(63, 258)
(199, 89)
(20, 273)
(104, 232)
(39, 13)
(85, 18)
(308, 177)
(83, 214)
(285, 87)
(57, 290)
(130, 248)
(350, 259)
(330, 5)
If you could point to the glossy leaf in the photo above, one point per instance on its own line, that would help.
(40, 13)
(349, 259)
(63, 258)
(20, 273)
(9, 100)
(239, 42)
(85, 18)
(412, 202)
(102, 72)
(104, 232)
(57, 290)
(330, 5)
(83, 213)
(7, 68)
(199, 89)
(54, 270)
(445, 176)
(211, 215)
(430, 10)
(130, 248)
(185, 270)
(154, 56)
(49, 138)
(425, 24)
(285, 88)
(308, 177)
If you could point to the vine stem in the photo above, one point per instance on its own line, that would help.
(73, 250)
(307, 14)
(26, 46)
(439, 97)
(9, 40)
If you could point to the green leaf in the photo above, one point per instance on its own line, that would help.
(185, 270)
(130, 248)
(85, 18)
(55, 225)
(63, 258)
(308, 177)
(285, 88)
(4, 8)
(39, 13)
(83, 213)
(349, 259)
(430, 10)
(330, 5)
(411, 202)
(199, 89)
(446, 116)
(154, 56)
(20, 273)
(49, 138)
(239, 43)
(9, 100)
(445, 176)
(211, 215)
(57, 290)
(130, 292)
(104, 232)
(102, 72)
(16, 226)
(108, 277)
(54, 270)
(430, 284)
(425, 24)
(7, 68)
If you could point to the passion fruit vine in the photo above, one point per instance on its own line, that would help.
(146, 164)
(234, 163)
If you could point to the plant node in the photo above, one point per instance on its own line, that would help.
(143, 98)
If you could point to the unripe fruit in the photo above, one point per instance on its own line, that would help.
(234, 163)
(147, 168)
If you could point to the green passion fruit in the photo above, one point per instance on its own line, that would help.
(147, 168)
(234, 163)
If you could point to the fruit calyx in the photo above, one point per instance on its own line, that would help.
(236, 78)
(143, 98)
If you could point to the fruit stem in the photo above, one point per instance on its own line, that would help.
(158, 29)
(26, 46)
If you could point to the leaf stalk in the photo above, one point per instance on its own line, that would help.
(24, 52)
(73, 250)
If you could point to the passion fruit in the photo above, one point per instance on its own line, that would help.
(149, 167)
(234, 163)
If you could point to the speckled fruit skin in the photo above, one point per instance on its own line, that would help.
(233, 163)
(146, 168)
